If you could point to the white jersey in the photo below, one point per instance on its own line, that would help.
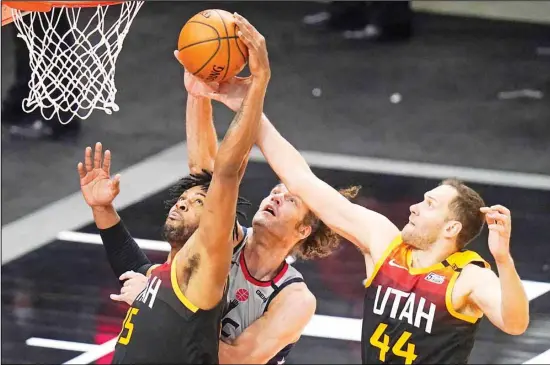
(248, 298)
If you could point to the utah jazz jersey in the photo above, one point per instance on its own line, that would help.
(248, 298)
(162, 326)
(409, 317)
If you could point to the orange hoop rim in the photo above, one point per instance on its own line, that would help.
(45, 6)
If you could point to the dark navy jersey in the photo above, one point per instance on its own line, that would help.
(162, 326)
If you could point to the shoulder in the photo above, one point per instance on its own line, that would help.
(295, 296)
(472, 270)
(473, 275)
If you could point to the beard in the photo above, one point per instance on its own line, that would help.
(176, 236)
(419, 239)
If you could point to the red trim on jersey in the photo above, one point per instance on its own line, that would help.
(255, 281)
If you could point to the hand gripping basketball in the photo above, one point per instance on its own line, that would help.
(258, 62)
(95, 183)
(231, 92)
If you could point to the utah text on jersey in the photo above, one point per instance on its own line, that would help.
(409, 316)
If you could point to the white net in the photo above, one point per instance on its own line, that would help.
(73, 69)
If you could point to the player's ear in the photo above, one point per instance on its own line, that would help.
(452, 229)
(304, 231)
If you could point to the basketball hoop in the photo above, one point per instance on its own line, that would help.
(71, 79)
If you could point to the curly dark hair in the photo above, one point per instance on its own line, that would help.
(322, 241)
(202, 179)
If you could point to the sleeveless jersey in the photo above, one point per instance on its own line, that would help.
(408, 313)
(248, 298)
(162, 326)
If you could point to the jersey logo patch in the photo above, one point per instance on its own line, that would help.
(261, 295)
(434, 278)
(241, 295)
(392, 263)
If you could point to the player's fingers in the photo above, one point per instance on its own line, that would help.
(116, 183)
(97, 155)
(107, 162)
(117, 297)
(126, 275)
(498, 217)
(241, 21)
(485, 209)
(501, 208)
(81, 170)
(247, 39)
(497, 227)
(88, 158)
(176, 52)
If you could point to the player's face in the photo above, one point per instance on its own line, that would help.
(429, 218)
(281, 213)
(184, 216)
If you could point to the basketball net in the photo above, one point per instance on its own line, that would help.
(72, 79)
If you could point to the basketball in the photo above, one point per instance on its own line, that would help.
(208, 46)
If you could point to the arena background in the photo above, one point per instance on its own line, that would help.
(452, 120)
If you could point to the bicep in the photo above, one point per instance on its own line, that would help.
(367, 229)
(487, 295)
(211, 245)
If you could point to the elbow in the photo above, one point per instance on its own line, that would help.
(518, 327)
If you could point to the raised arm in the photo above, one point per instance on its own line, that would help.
(202, 141)
(282, 324)
(501, 298)
(368, 230)
(206, 262)
(99, 191)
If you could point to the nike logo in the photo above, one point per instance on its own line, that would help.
(392, 263)
(281, 362)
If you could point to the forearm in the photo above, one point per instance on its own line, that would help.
(243, 131)
(202, 141)
(515, 304)
(235, 354)
(122, 251)
(287, 163)
(229, 354)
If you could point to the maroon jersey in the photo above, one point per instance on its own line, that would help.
(408, 313)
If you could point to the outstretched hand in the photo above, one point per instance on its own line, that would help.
(96, 185)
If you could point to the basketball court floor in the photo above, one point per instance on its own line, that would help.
(56, 280)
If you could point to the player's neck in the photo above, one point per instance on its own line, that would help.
(263, 260)
(172, 254)
(436, 253)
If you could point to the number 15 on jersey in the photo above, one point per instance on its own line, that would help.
(127, 325)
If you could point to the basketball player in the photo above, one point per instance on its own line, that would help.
(269, 305)
(425, 294)
(177, 320)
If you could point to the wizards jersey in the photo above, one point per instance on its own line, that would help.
(409, 317)
(248, 298)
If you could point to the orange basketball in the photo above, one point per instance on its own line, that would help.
(209, 48)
